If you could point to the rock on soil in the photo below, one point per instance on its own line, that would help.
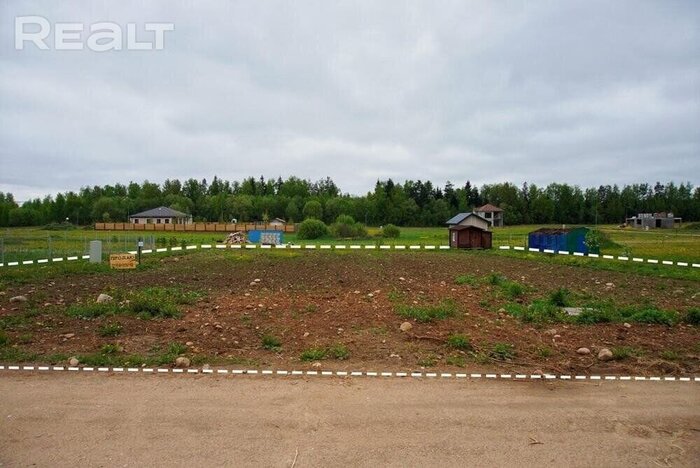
(73, 361)
(583, 351)
(406, 326)
(18, 299)
(182, 362)
(605, 354)
(104, 298)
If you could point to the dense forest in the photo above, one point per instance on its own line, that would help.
(413, 203)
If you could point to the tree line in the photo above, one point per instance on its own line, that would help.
(413, 203)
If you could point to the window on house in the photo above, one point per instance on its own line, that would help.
(136, 220)
(158, 221)
(167, 220)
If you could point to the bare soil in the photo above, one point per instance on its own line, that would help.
(319, 299)
(99, 420)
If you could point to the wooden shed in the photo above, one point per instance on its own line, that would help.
(469, 237)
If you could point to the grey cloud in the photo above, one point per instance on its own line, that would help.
(580, 92)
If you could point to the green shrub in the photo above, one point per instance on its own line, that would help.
(3, 338)
(346, 227)
(110, 329)
(311, 229)
(693, 316)
(313, 354)
(466, 279)
(271, 342)
(560, 297)
(445, 309)
(459, 342)
(544, 351)
(391, 231)
(502, 351)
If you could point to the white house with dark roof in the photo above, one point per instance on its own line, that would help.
(160, 215)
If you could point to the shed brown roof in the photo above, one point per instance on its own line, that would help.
(489, 208)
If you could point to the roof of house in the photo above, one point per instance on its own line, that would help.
(160, 212)
(488, 208)
(462, 216)
(462, 228)
(555, 230)
(279, 220)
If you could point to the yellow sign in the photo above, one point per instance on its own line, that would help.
(122, 261)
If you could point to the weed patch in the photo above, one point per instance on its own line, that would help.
(110, 329)
(459, 342)
(339, 351)
(313, 354)
(560, 297)
(471, 280)
(445, 309)
(271, 343)
(502, 351)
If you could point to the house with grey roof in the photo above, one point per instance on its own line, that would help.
(469, 219)
(160, 215)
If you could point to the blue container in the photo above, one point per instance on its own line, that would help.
(569, 240)
(266, 237)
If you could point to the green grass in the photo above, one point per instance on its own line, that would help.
(560, 297)
(428, 313)
(93, 310)
(313, 354)
(458, 341)
(625, 352)
(146, 303)
(336, 351)
(671, 355)
(271, 343)
(456, 360)
(512, 290)
(110, 329)
(427, 361)
(339, 351)
(471, 280)
(539, 311)
(502, 351)
(544, 351)
(693, 316)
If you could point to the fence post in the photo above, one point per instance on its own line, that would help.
(50, 246)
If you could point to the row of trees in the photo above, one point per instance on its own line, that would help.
(413, 203)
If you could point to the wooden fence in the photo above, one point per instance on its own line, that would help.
(193, 227)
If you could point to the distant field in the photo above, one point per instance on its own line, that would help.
(17, 244)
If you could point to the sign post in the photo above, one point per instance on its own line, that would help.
(140, 246)
(122, 261)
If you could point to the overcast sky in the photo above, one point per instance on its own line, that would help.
(583, 92)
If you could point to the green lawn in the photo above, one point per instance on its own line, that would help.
(19, 244)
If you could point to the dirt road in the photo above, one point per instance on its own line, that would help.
(100, 420)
